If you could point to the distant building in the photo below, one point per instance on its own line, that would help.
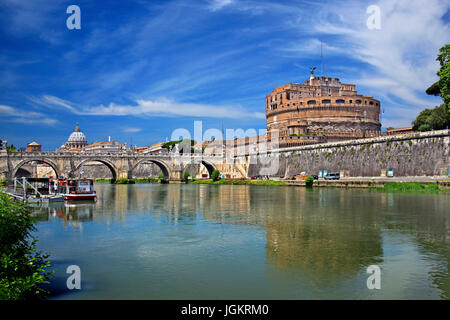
(396, 131)
(156, 149)
(106, 147)
(33, 147)
(140, 149)
(76, 142)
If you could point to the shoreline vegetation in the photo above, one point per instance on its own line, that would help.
(410, 187)
(387, 187)
(241, 182)
(24, 270)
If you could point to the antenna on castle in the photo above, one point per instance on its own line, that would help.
(321, 61)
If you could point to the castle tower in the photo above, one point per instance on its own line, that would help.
(321, 110)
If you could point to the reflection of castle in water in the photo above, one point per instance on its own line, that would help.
(319, 234)
(296, 240)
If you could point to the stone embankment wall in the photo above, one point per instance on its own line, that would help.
(420, 154)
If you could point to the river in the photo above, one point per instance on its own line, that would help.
(177, 241)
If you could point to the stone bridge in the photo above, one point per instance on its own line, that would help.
(121, 165)
(416, 154)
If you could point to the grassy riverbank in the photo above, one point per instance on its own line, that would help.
(241, 182)
(410, 187)
(129, 181)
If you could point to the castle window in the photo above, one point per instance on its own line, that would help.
(351, 101)
(370, 102)
(312, 102)
(358, 101)
(340, 101)
(326, 101)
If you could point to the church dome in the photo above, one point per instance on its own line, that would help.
(76, 142)
(77, 136)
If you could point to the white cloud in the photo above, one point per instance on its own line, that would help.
(15, 115)
(402, 53)
(215, 5)
(132, 130)
(158, 108)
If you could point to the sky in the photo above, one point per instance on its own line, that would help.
(137, 70)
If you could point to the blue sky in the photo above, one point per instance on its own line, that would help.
(140, 69)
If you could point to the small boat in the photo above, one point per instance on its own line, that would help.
(80, 190)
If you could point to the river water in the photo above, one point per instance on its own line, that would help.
(150, 241)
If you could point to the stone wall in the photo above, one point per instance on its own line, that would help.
(420, 154)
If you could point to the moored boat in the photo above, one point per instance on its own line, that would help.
(80, 190)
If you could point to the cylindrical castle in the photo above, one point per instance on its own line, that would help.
(321, 110)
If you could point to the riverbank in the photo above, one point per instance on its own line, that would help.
(241, 182)
(420, 184)
(408, 184)
(129, 181)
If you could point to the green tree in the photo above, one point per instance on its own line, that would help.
(186, 176)
(185, 145)
(309, 181)
(432, 119)
(23, 270)
(11, 148)
(442, 87)
(215, 175)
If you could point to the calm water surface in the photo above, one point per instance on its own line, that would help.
(248, 242)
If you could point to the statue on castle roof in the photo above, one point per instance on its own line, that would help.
(311, 69)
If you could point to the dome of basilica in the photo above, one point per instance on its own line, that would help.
(77, 140)
(77, 136)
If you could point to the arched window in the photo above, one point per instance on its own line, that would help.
(312, 102)
(326, 101)
(358, 101)
(340, 101)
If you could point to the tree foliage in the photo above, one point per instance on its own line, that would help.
(215, 175)
(23, 270)
(442, 87)
(309, 181)
(11, 148)
(432, 119)
(185, 145)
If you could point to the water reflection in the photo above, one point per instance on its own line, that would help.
(324, 237)
(70, 213)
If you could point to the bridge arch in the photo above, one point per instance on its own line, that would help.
(209, 166)
(108, 164)
(161, 164)
(40, 160)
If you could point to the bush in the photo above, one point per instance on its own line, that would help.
(146, 180)
(186, 176)
(161, 176)
(122, 181)
(215, 175)
(309, 181)
(23, 270)
(3, 182)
